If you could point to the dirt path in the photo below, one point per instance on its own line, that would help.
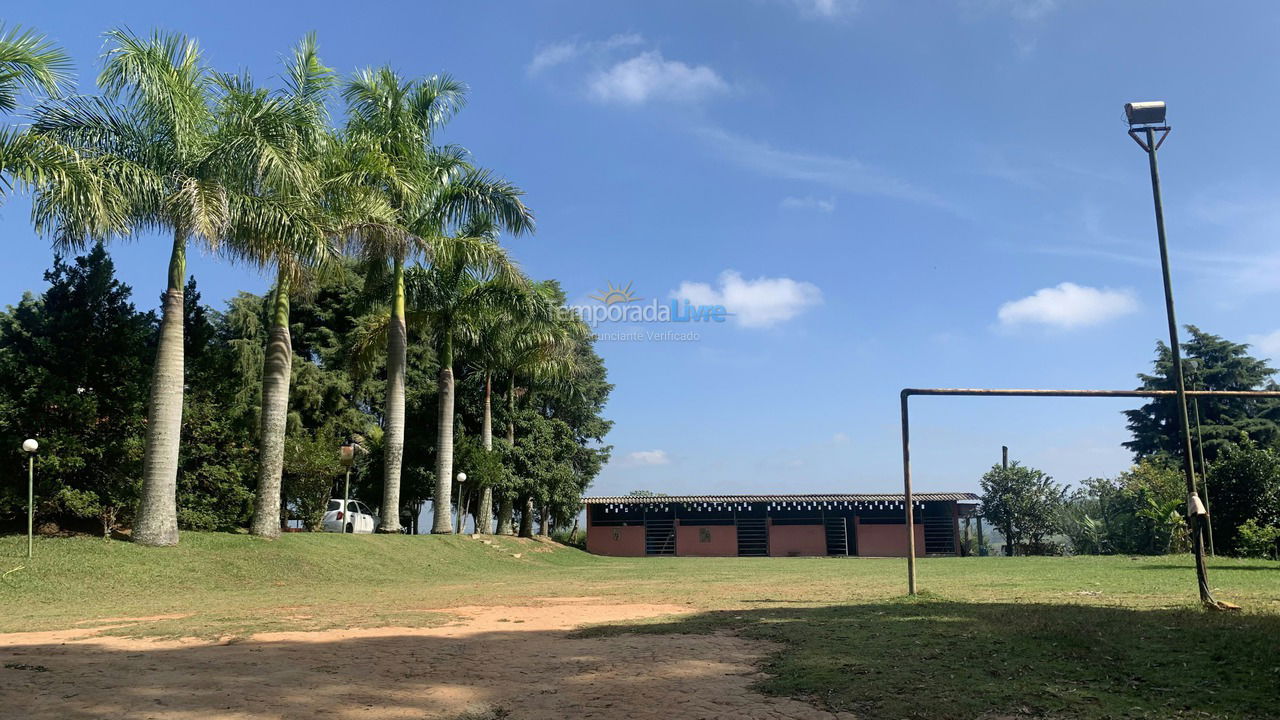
(520, 660)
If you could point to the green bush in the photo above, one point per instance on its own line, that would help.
(1255, 540)
(572, 538)
(1245, 485)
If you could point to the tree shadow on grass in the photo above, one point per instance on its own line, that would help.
(940, 659)
(1273, 567)
(906, 659)
(446, 673)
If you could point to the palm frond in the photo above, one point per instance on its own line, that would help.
(307, 80)
(368, 341)
(162, 75)
(201, 208)
(480, 193)
(93, 195)
(433, 101)
(257, 143)
(36, 160)
(98, 125)
(28, 60)
(287, 232)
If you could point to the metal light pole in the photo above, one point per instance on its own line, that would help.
(347, 453)
(462, 502)
(29, 446)
(1145, 120)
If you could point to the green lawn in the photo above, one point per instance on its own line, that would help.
(1079, 637)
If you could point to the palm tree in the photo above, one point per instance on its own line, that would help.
(30, 62)
(470, 275)
(153, 144)
(525, 336)
(277, 145)
(148, 140)
(492, 334)
(390, 130)
(562, 373)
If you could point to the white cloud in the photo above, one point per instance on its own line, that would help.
(809, 202)
(1269, 343)
(649, 76)
(1030, 10)
(1068, 306)
(552, 55)
(1028, 18)
(762, 302)
(840, 439)
(549, 56)
(644, 458)
(826, 8)
(839, 173)
(1022, 11)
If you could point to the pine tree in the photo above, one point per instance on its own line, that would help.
(73, 375)
(1211, 363)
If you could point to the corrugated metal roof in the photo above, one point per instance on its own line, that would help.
(857, 497)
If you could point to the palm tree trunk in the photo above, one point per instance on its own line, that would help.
(444, 441)
(526, 519)
(393, 437)
(157, 521)
(511, 410)
(506, 506)
(484, 511)
(277, 367)
(506, 511)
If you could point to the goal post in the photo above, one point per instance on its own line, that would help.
(999, 392)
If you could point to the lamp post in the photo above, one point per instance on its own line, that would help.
(1145, 120)
(347, 453)
(462, 503)
(29, 446)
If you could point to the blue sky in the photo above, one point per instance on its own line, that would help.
(886, 194)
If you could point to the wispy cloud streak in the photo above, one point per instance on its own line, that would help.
(846, 174)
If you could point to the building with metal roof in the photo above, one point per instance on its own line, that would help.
(866, 524)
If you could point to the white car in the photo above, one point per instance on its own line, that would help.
(357, 518)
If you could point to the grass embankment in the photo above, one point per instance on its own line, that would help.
(1094, 637)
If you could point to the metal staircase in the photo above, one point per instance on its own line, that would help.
(659, 536)
(837, 536)
(753, 537)
(939, 535)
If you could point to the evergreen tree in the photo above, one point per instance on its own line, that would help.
(218, 459)
(73, 369)
(1211, 363)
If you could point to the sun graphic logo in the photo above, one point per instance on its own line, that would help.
(613, 295)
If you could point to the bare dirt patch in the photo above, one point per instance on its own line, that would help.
(515, 662)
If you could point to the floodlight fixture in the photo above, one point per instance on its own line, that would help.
(1150, 112)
